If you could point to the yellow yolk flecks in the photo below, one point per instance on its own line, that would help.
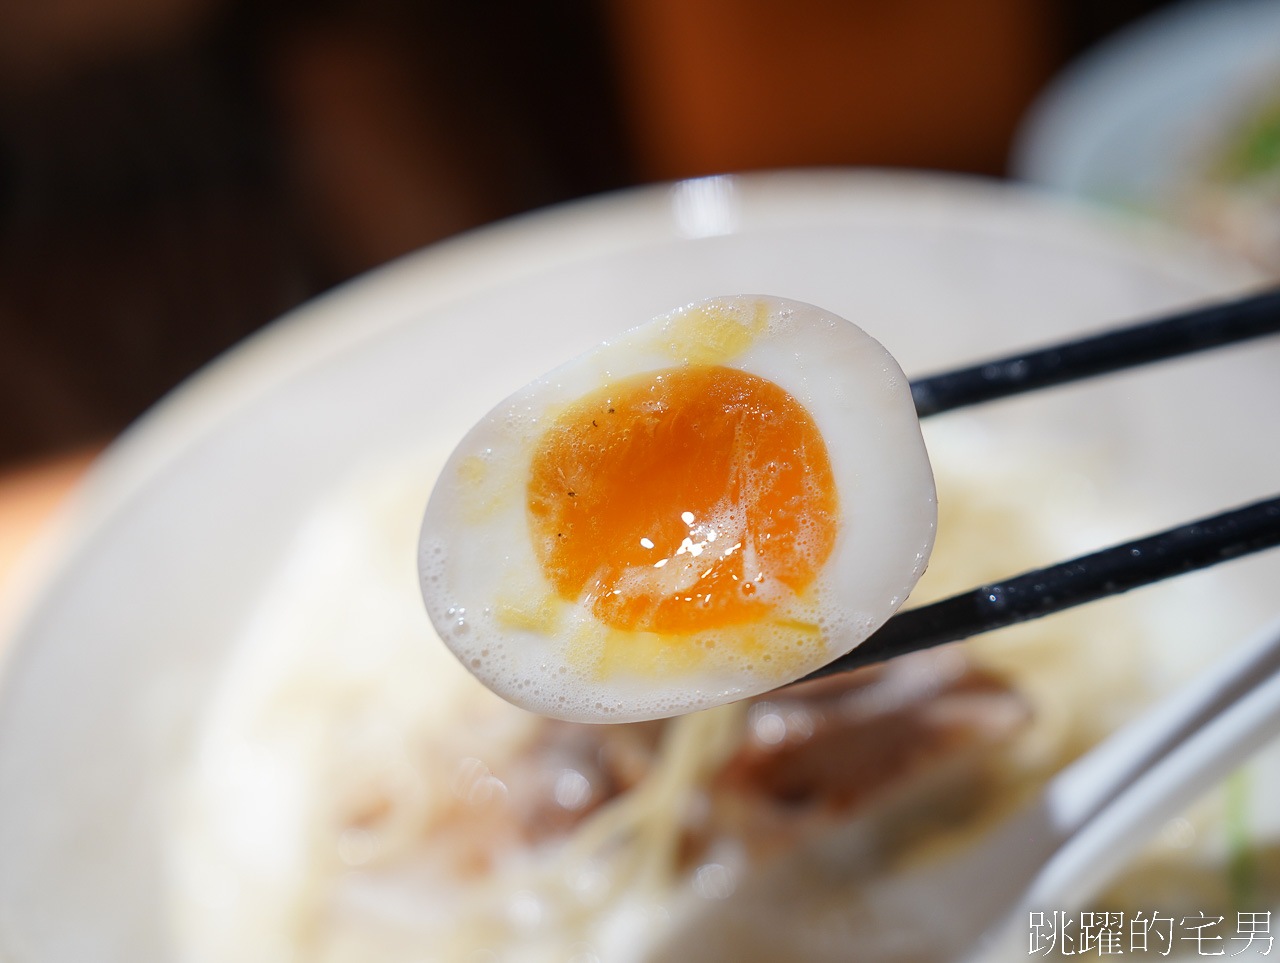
(704, 507)
(682, 500)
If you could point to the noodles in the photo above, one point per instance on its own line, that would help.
(357, 795)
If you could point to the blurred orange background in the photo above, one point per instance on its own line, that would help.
(176, 173)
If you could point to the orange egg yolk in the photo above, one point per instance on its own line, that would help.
(682, 500)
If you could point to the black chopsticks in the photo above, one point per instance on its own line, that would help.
(1110, 571)
(1047, 590)
(1198, 330)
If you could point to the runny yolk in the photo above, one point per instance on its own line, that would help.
(682, 500)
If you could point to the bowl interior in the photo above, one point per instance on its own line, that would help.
(188, 518)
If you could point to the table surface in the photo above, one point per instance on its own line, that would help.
(30, 496)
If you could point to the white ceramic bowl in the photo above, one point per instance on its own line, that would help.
(1134, 121)
(186, 518)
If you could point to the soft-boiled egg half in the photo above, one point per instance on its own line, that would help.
(714, 504)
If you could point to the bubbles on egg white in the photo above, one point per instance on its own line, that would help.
(476, 557)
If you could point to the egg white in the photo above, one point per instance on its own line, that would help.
(495, 609)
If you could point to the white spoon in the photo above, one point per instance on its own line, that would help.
(1053, 854)
(1095, 813)
(1196, 749)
